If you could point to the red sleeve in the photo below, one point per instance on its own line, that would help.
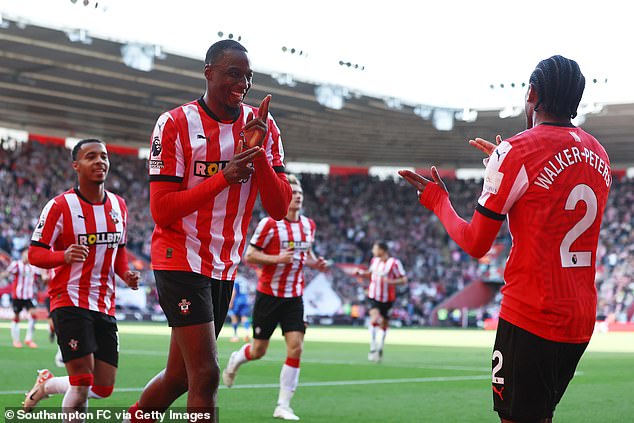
(475, 237)
(43, 257)
(168, 203)
(275, 191)
(121, 262)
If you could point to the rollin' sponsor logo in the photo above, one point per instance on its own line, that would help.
(207, 169)
(110, 239)
(296, 245)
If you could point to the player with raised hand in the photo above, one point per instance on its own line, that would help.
(209, 160)
(552, 181)
(81, 235)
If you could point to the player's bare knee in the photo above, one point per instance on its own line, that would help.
(257, 351)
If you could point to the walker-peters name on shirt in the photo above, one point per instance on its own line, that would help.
(568, 157)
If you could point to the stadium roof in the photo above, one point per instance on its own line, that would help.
(52, 85)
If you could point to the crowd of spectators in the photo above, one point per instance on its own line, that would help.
(351, 212)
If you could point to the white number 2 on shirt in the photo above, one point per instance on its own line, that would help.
(569, 258)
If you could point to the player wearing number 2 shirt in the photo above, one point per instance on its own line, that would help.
(551, 182)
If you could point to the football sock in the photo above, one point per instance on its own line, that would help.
(289, 378)
(15, 331)
(30, 328)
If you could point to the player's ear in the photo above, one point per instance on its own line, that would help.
(531, 94)
(208, 71)
(75, 165)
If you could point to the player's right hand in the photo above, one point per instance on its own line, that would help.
(485, 146)
(76, 253)
(239, 167)
(286, 256)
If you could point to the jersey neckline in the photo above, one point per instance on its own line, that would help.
(207, 110)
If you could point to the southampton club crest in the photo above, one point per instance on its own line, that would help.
(184, 306)
(114, 215)
(73, 344)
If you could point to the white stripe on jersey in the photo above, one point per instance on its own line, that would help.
(100, 254)
(192, 243)
(520, 185)
(282, 235)
(79, 227)
(237, 230)
(37, 234)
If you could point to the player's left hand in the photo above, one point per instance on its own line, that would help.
(420, 182)
(255, 129)
(321, 264)
(131, 278)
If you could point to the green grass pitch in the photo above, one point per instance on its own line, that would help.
(427, 375)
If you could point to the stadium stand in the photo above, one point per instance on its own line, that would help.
(351, 211)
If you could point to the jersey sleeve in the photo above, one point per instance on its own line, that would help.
(398, 271)
(505, 181)
(166, 161)
(274, 148)
(13, 267)
(124, 215)
(49, 226)
(263, 234)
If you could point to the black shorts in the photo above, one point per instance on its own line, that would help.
(530, 373)
(189, 298)
(384, 308)
(19, 304)
(268, 311)
(81, 332)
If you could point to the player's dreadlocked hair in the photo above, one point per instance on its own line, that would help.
(218, 48)
(559, 84)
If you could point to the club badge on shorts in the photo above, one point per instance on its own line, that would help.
(73, 344)
(184, 306)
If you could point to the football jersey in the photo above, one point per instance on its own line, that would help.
(23, 287)
(71, 219)
(381, 271)
(553, 182)
(273, 237)
(188, 146)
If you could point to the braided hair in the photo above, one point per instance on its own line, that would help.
(559, 84)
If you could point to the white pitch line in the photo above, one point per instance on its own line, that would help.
(325, 383)
(341, 362)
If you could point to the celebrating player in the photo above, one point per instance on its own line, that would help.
(81, 234)
(282, 248)
(552, 181)
(22, 297)
(209, 159)
(385, 273)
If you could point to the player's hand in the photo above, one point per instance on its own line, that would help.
(485, 146)
(286, 256)
(76, 253)
(131, 278)
(419, 182)
(321, 264)
(239, 167)
(256, 128)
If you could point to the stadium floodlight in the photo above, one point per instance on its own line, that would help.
(510, 111)
(467, 115)
(78, 36)
(331, 96)
(423, 111)
(393, 103)
(284, 79)
(138, 56)
(442, 119)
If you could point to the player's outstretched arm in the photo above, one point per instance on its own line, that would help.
(397, 281)
(168, 203)
(475, 237)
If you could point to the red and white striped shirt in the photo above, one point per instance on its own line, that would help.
(382, 270)
(273, 237)
(70, 219)
(23, 281)
(189, 145)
